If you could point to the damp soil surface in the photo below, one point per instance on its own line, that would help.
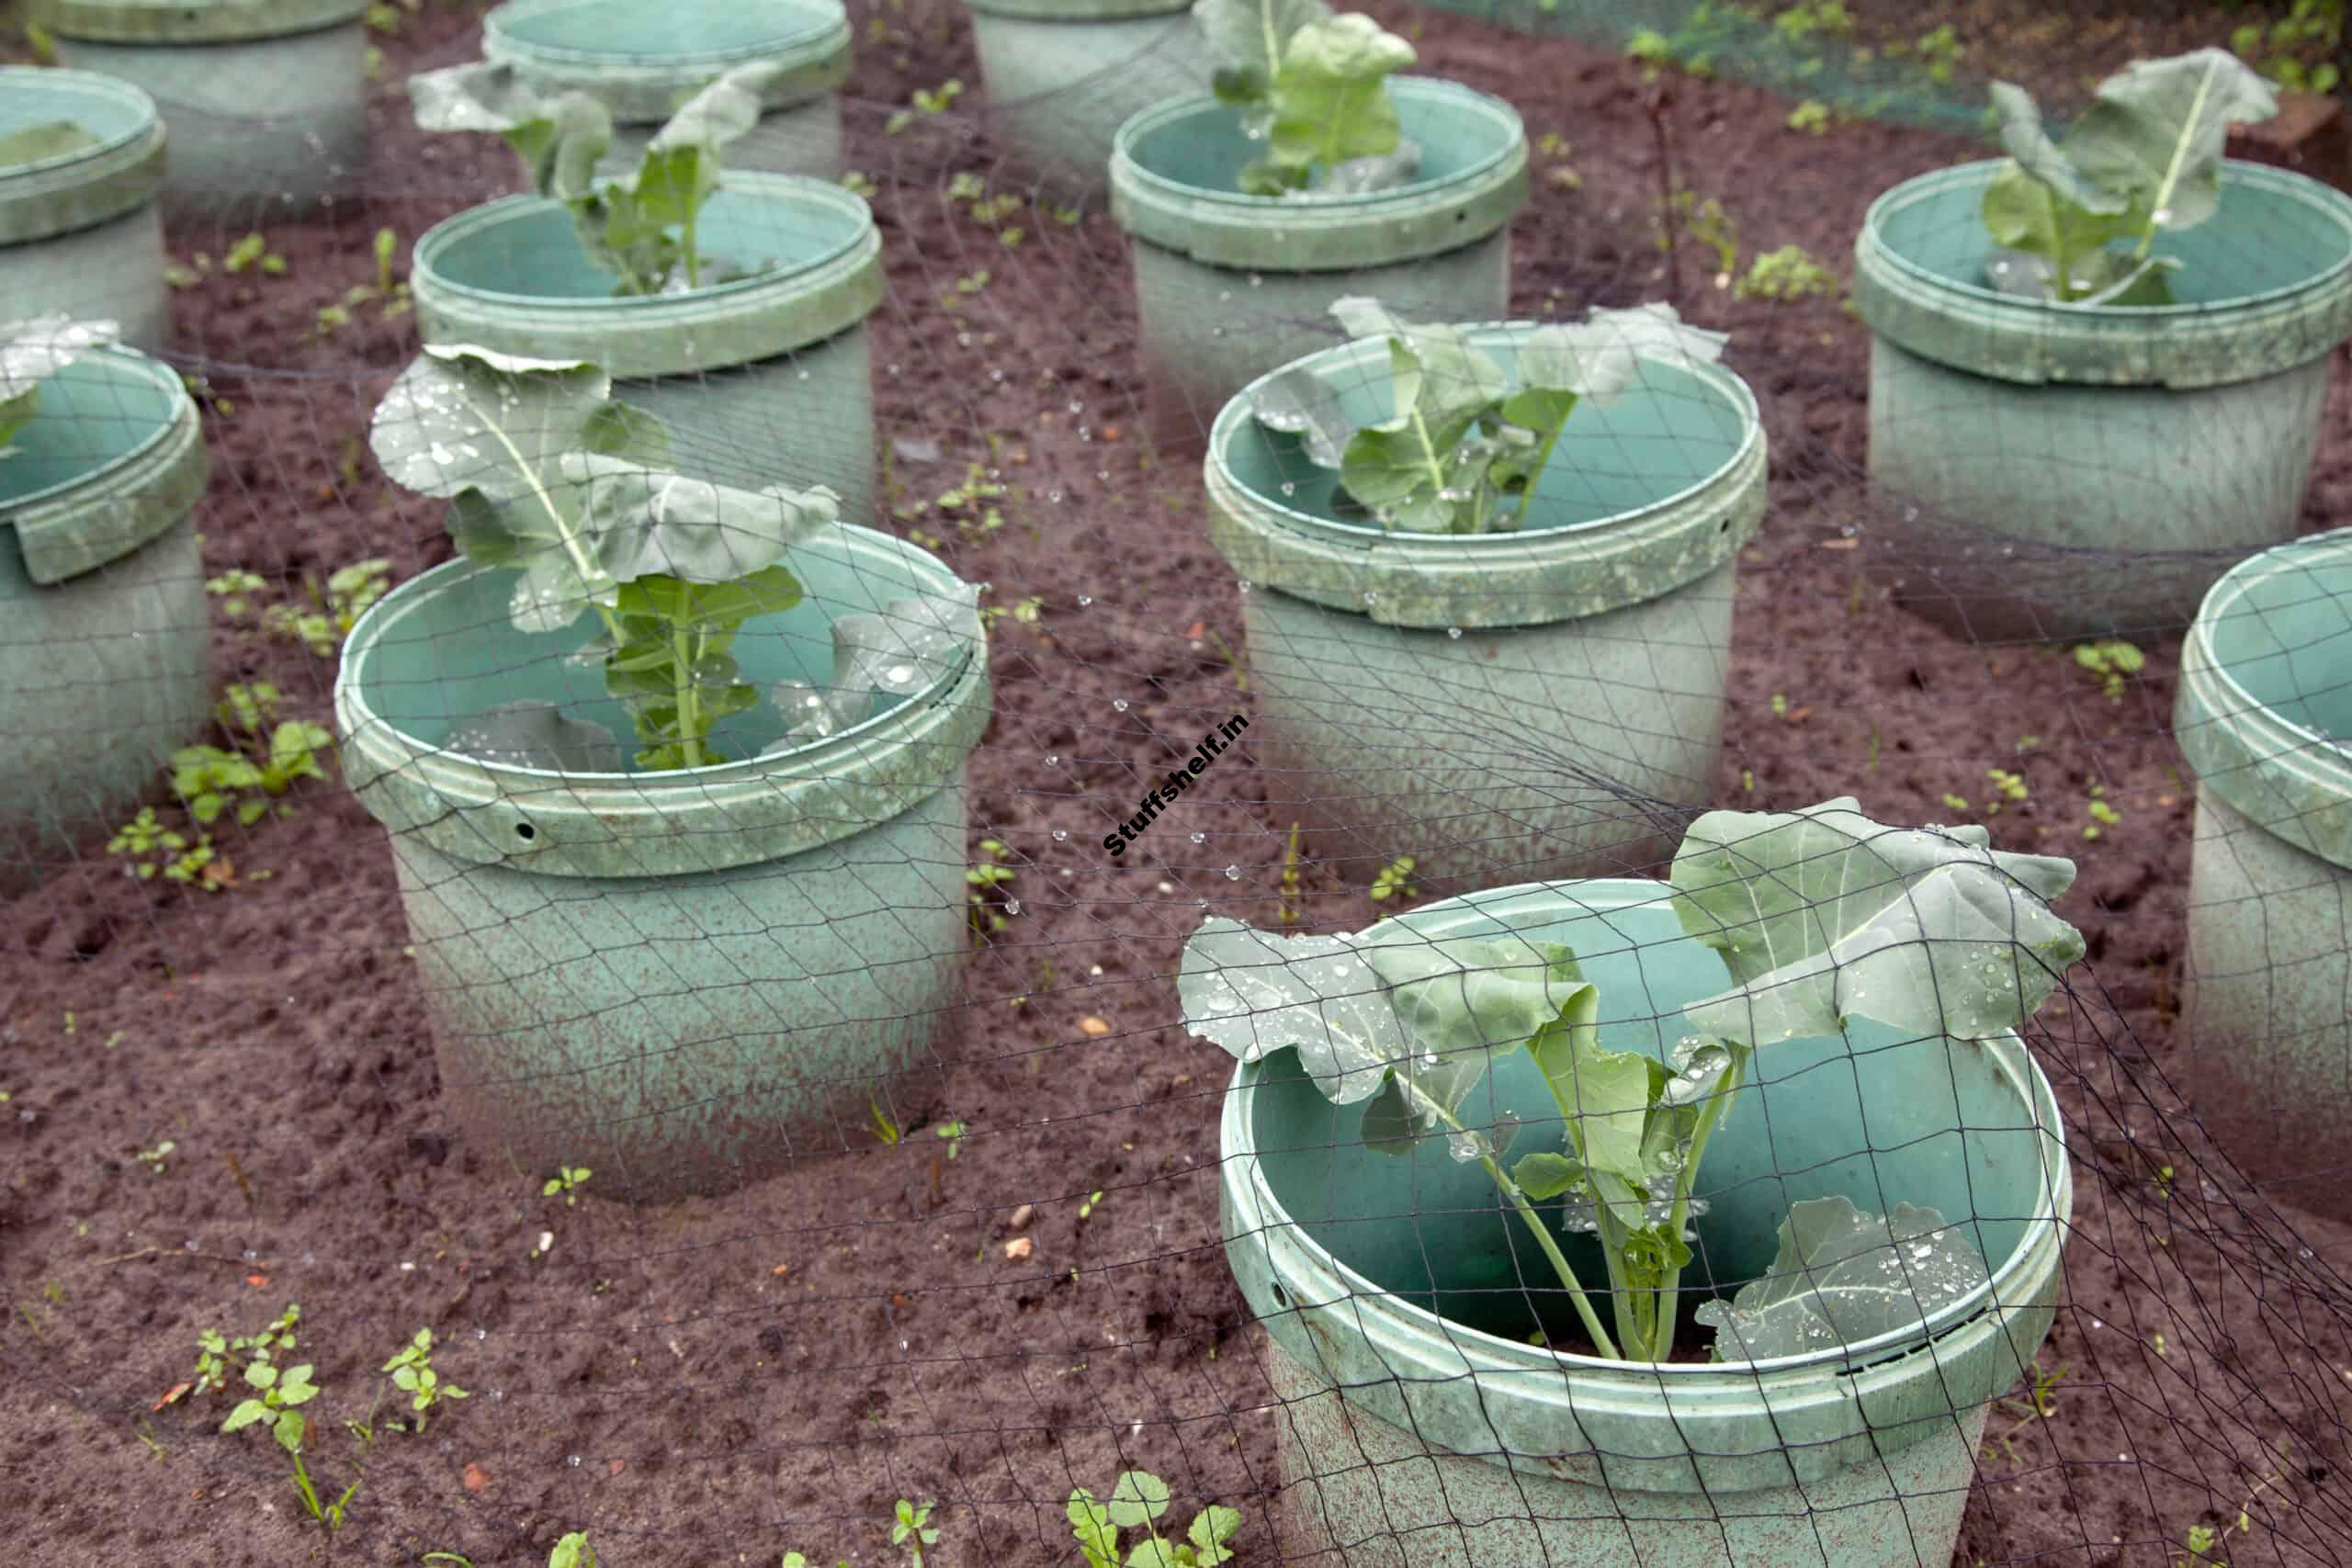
(992, 1320)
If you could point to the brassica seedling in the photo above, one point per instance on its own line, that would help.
(1465, 448)
(1137, 1498)
(1313, 87)
(626, 224)
(2145, 156)
(1819, 915)
(413, 1374)
(31, 352)
(550, 474)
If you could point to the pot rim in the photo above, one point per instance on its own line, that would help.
(1592, 1375)
(1238, 409)
(2288, 778)
(825, 26)
(96, 85)
(181, 24)
(1126, 168)
(108, 511)
(1982, 171)
(140, 365)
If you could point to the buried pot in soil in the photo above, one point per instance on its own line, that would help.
(2264, 716)
(106, 644)
(2097, 367)
(1230, 286)
(687, 956)
(643, 61)
(80, 161)
(267, 99)
(1440, 1401)
(730, 306)
(1499, 702)
(1063, 75)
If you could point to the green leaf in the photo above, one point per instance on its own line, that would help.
(288, 1429)
(638, 521)
(1330, 97)
(536, 734)
(1247, 38)
(2025, 140)
(1823, 914)
(2158, 128)
(724, 111)
(559, 140)
(246, 1413)
(1136, 1498)
(1601, 358)
(1603, 1096)
(1211, 1529)
(45, 140)
(1543, 1176)
(1252, 992)
(463, 418)
(1301, 403)
(1843, 1276)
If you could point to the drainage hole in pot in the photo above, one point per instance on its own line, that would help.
(525, 833)
(1282, 1298)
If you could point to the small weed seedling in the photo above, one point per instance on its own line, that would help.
(1786, 274)
(1811, 116)
(1394, 881)
(150, 846)
(572, 1552)
(2112, 661)
(277, 1402)
(911, 1531)
(391, 296)
(568, 1179)
(2040, 1402)
(2314, 27)
(413, 1374)
(1088, 1204)
(2102, 814)
(926, 103)
(216, 1355)
(252, 253)
(884, 1128)
(322, 627)
(1289, 903)
(235, 589)
(267, 762)
(1707, 222)
(153, 1159)
(1137, 1499)
(860, 185)
(2202, 1549)
(954, 1132)
(985, 875)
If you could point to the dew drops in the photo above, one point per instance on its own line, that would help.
(1243, 584)
(1200, 838)
(1232, 874)
(481, 1333)
(1061, 835)
(1454, 633)
(1084, 600)
(1289, 488)
(1013, 906)
(1256, 281)
(1225, 296)
(1370, 596)
(894, 370)
(996, 375)
(1054, 495)
(1118, 704)
(1052, 759)
(573, 1460)
(1078, 408)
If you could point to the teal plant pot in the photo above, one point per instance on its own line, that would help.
(1229, 286)
(2068, 471)
(1063, 75)
(267, 99)
(683, 980)
(106, 642)
(643, 61)
(2264, 716)
(81, 233)
(761, 381)
(1496, 705)
(1415, 1424)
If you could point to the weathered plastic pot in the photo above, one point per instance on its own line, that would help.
(81, 233)
(1063, 75)
(1496, 705)
(643, 61)
(267, 99)
(105, 643)
(2264, 716)
(762, 381)
(1416, 1425)
(2067, 470)
(684, 979)
(1229, 286)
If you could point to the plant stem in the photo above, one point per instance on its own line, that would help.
(693, 253)
(302, 1480)
(2172, 169)
(1718, 1104)
(1429, 459)
(1274, 43)
(1518, 1199)
(1536, 470)
(683, 662)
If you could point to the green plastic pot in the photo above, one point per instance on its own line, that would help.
(81, 233)
(1063, 75)
(267, 99)
(1497, 704)
(1229, 286)
(105, 643)
(1416, 1425)
(2064, 470)
(682, 980)
(2264, 716)
(762, 381)
(645, 60)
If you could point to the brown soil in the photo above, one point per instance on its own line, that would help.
(724, 1380)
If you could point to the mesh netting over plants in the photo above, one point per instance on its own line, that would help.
(1059, 782)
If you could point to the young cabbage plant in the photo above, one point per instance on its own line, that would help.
(1819, 916)
(548, 473)
(1465, 448)
(625, 223)
(30, 352)
(2077, 218)
(1313, 87)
